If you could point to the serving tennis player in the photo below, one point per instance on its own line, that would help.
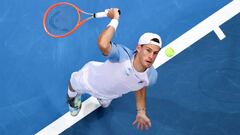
(124, 71)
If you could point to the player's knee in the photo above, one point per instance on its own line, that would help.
(74, 82)
(70, 86)
(104, 102)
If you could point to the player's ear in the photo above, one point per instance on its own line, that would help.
(138, 48)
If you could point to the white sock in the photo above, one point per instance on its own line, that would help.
(72, 94)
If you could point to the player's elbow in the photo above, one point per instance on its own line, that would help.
(104, 48)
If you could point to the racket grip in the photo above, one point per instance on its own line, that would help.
(103, 14)
(100, 14)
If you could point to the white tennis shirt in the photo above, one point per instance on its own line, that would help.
(116, 76)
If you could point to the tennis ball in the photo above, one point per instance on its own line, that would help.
(169, 52)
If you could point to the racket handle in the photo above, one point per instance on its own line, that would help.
(100, 14)
(103, 14)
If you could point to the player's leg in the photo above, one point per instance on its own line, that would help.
(73, 100)
(74, 93)
(104, 102)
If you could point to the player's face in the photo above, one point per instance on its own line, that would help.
(147, 54)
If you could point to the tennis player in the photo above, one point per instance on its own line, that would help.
(124, 71)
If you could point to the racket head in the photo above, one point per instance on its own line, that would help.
(62, 19)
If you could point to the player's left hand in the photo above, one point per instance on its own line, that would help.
(142, 121)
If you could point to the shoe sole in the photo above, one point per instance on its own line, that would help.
(78, 110)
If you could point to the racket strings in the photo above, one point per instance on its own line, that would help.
(87, 13)
(53, 23)
(62, 19)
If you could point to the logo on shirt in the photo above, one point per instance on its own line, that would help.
(128, 71)
(141, 81)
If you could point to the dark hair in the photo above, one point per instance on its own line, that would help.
(155, 40)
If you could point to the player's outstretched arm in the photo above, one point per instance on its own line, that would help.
(142, 121)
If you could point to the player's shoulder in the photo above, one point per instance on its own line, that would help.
(152, 71)
(122, 47)
(152, 75)
(124, 51)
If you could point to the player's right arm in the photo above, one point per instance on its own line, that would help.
(104, 40)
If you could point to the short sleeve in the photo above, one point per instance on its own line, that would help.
(114, 53)
(152, 76)
(118, 53)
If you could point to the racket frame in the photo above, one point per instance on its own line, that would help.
(79, 23)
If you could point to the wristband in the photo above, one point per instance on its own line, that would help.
(113, 23)
(141, 109)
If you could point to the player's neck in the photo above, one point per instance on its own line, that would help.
(137, 64)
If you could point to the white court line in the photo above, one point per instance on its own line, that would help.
(66, 121)
(200, 30)
(219, 33)
(180, 44)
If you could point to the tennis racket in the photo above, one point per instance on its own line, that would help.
(63, 18)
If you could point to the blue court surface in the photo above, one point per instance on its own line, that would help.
(197, 92)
